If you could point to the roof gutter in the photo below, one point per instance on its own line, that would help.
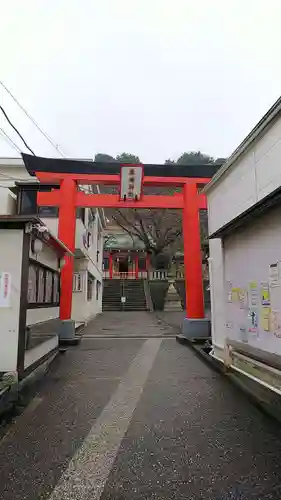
(266, 120)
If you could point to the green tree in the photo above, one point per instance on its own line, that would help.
(194, 158)
(127, 158)
(104, 158)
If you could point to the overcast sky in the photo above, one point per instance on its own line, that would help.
(150, 77)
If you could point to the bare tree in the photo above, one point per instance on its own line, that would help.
(159, 230)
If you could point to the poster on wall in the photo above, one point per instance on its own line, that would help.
(265, 294)
(253, 325)
(253, 295)
(265, 318)
(235, 294)
(274, 274)
(276, 323)
(5, 289)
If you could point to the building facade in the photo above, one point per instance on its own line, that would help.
(31, 259)
(18, 196)
(245, 271)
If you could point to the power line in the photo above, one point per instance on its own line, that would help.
(33, 121)
(8, 139)
(16, 130)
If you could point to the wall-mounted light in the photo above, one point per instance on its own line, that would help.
(36, 246)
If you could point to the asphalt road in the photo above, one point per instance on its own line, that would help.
(138, 418)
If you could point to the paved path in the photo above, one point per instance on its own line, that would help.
(129, 324)
(139, 418)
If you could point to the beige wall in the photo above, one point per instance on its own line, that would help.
(10, 261)
(7, 202)
(38, 315)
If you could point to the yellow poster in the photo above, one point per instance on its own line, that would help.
(265, 318)
(235, 292)
(265, 296)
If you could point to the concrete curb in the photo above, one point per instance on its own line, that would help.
(250, 390)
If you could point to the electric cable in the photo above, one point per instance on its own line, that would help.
(56, 146)
(8, 139)
(16, 130)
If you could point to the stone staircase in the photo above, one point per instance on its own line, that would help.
(132, 289)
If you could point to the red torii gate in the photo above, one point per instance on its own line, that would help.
(68, 198)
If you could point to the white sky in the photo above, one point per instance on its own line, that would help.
(150, 77)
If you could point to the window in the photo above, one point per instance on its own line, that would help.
(106, 263)
(77, 282)
(32, 285)
(90, 285)
(98, 287)
(43, 286)
(27, 204)
(48, 211)
(56, 288)
(48, 286)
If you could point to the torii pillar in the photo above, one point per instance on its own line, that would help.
(195, 325)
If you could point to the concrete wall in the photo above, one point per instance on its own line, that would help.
(10, 261)
(247, 257)
(217, 292)
(252, 177)
(243, 262)
(7, 202)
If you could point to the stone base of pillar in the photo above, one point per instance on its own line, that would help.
(67, 334)
(193, 329)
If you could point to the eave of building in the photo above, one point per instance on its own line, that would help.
(259, 129)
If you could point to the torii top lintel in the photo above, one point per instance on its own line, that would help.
(55, 169)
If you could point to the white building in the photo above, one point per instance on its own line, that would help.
(87, 283)
(245, 255)
(30, 263)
